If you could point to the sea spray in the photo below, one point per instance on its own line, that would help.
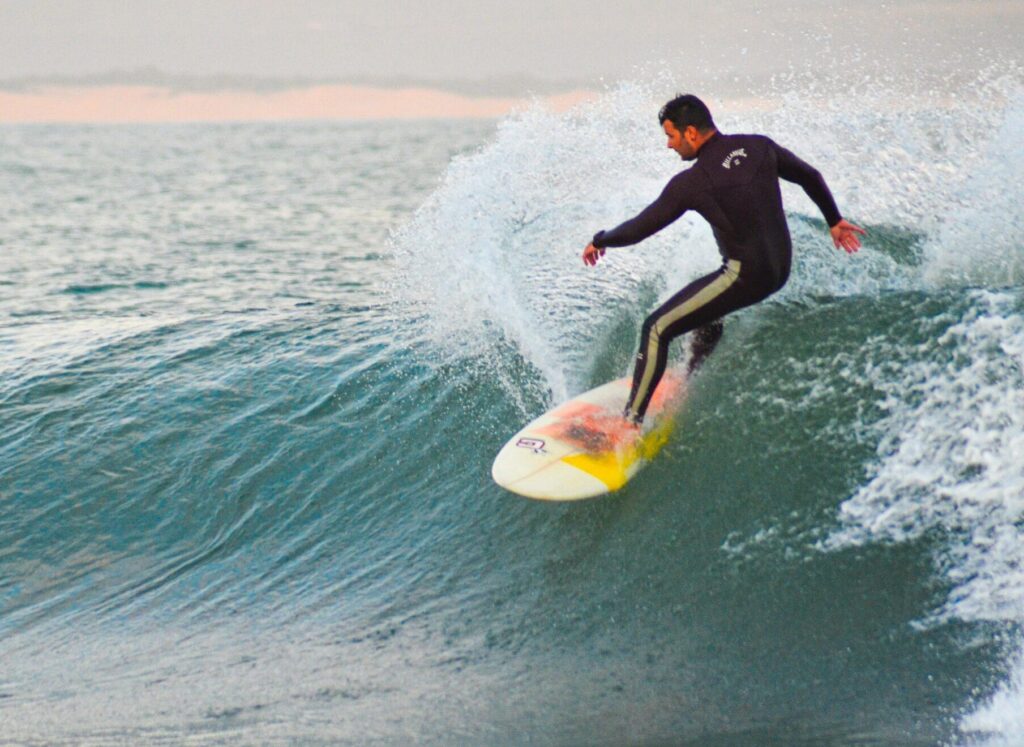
(494, 255)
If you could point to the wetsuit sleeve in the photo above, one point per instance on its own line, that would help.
(794, 169)
(671, 203)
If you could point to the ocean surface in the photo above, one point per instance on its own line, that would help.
(253, 376)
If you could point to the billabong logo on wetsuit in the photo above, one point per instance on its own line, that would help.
(733, 159)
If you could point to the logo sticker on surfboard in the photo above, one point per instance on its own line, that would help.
(535, 445)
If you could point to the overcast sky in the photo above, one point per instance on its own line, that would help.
(554, 40)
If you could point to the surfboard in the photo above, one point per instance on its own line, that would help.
(584, 448)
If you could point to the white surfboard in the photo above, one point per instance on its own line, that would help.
(584, 447)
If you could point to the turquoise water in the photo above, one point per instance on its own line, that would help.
(254, 377)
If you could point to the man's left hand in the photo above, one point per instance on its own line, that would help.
(844, 236)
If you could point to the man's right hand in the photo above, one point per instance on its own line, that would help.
(592, 253)
(844, 236)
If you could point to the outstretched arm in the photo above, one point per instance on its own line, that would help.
(671, 203)
(796, 170)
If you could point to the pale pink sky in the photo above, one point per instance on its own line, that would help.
(150, 104)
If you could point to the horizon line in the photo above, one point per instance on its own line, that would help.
(493, 85)
(124, 104)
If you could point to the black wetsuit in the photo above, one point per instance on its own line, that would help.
(734, 185)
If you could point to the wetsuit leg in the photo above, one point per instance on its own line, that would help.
(700, 303)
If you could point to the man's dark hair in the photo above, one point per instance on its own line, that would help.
(685, 110)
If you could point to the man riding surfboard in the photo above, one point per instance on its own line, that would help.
(734, 186)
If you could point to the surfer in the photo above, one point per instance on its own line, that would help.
(734, 185)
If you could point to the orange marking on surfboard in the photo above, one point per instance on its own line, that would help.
(596, 429)
(591, 428)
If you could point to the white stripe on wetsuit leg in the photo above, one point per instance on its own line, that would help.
(700, 299)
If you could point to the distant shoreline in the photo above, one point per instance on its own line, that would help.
(153, 103)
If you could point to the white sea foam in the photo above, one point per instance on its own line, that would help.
(951, 463)
(979, 241)
(951, 459)
(1000, 721)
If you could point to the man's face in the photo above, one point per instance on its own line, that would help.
(681, 142)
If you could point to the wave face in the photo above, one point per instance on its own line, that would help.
(254, 377)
